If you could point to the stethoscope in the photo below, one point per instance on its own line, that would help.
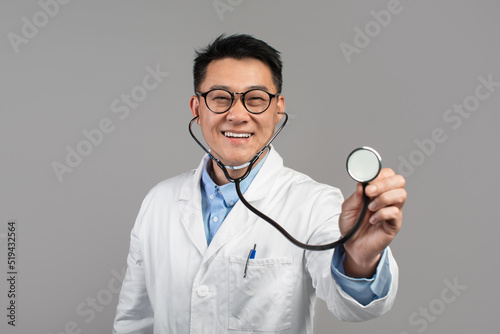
(363, 165)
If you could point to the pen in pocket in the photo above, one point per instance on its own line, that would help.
(251, 255)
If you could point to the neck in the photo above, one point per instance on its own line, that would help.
(218, 176)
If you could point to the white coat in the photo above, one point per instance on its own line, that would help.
(176, 284)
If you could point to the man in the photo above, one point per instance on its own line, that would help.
(191, 268)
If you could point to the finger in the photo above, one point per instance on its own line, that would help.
(394, 197)
(383, 184)
(385, 173)
(390, 215)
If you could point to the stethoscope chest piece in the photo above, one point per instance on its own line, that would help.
(364, 164)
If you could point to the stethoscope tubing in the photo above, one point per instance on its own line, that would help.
(249, 166)
(296, 242)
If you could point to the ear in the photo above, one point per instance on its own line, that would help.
(280, 108)
(194, 104)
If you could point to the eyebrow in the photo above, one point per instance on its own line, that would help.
(248, 88)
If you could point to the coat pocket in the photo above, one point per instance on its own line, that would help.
(261, 301)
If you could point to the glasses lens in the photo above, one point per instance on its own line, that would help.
(257, 101)
(218, 100)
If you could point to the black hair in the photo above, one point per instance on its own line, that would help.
(237, 46)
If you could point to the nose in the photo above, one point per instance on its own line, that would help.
(237, 112)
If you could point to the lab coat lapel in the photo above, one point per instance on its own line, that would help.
(191, 214)
(240, 217)
(236, 221)
(262, 185)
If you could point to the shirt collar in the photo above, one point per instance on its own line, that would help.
(228, 191)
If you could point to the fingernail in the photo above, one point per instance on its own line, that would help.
(371, 206)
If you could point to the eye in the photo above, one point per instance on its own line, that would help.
(256, 98)
(219, 96)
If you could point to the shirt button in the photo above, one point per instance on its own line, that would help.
(231, 203)
(203, 291)
(216, 219)
(219, 191)
(211, 196)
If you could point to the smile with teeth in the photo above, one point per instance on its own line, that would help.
(237, 135)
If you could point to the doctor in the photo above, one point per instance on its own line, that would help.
(189, 269)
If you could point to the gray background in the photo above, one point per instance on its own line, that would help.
(73, 235)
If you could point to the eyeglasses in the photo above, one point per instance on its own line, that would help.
(256, 101)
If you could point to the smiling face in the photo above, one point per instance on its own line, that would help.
(236, 135)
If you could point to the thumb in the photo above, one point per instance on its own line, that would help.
(354, 201)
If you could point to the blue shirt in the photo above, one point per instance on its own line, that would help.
(217, 202)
